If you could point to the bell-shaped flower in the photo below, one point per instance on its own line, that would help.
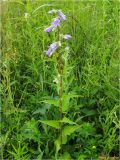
(55, 22)
(49, 29)
(51, 49)
(61, 15)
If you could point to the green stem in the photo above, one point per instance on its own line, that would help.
(60, 71)
(61, 104)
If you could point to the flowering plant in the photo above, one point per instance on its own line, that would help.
(55, 24)
(61, 60)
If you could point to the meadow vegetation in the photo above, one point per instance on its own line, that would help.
(29, 97)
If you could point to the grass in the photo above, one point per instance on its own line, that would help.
(28, 94)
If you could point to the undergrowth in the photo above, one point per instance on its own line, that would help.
(29, 94)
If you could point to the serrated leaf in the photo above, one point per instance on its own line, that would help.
(70, 129)
(66, 120)
(67, 130)
(52, 123)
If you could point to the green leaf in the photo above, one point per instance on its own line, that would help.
(30, 130)
(42, 110)
(86, 130)
(4, 138)
(69, 129)
(54, 102)
(66, 99)
(65, 132)
(52, 123)
(65, 156)
(57, 145)
(13, 110)
(66, 120)
(58, 142)
(81, 157)
(88, 112)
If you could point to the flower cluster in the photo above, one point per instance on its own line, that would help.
(54, 24)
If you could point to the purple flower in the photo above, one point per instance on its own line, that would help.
(55, 22)
(49, 29)
(52, 48)
(67, 37)
(61, 15)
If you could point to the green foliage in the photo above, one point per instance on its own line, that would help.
(110, 125)
(30, 112)
(18, 153)
(52, 123)
(66, 100)
(65, 156)
(66, 120)
(30, 131)
(86, 130)
(41, 110)
(67, 130)
(52, 102)
(62, 139)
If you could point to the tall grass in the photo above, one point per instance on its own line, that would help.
(27, 79)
